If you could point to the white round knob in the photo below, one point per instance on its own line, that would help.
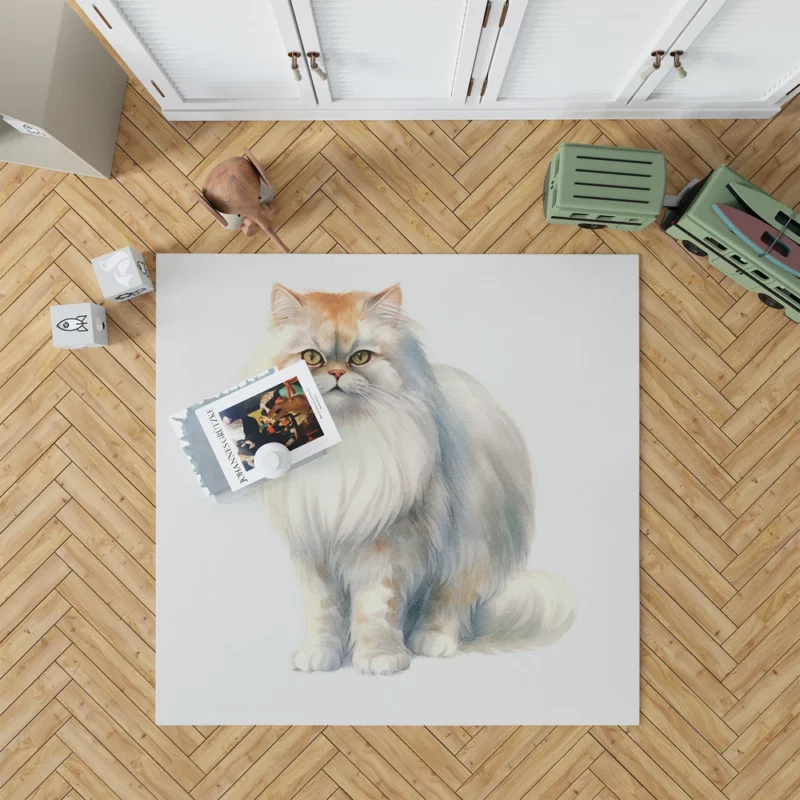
(648, 72)
(681, 72)
(272, 460)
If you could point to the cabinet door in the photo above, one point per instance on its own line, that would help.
(409, 54)
(207, 54)
(576, 53)
(734, 51)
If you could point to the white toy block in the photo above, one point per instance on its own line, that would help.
(78, 325)
(122, 274)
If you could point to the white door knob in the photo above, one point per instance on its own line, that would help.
(315, 68)
(657, 56)
(676, 60)
(295, 67)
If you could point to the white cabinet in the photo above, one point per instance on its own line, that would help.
(574, 53)
(414, 53)
(206, 54)
(294, 59)
(735, 51)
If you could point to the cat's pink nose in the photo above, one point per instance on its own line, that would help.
(337, 373)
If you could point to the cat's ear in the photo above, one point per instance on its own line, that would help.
(389, 301)
(287, 306)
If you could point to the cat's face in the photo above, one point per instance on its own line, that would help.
(349, 341)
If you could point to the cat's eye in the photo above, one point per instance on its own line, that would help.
(312, 357)
(360, 357)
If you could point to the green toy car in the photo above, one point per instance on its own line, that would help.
(593, 186)
(699, 228)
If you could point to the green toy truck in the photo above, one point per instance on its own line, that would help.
(598, 187)
(701, 231)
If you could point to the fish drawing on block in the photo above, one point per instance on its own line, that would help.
(767, 241)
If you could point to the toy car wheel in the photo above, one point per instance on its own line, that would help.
(693, 248)
(592, 226)
(769, 301)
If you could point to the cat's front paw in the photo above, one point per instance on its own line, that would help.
(434, 644)
(372, 661)
(317, 657)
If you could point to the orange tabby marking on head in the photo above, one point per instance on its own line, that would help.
(344, 311)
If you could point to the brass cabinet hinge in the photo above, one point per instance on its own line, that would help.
(503, 15)
(486, 13)
(469, 88)
(483, 88)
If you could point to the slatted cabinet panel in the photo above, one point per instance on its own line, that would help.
(204, 53)
(423, 59)
(728, 59)
(573, 51)
(416, 52)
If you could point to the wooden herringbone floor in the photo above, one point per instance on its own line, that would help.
(720, 445)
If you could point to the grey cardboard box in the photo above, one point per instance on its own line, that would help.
(122, 274)
(78, 325)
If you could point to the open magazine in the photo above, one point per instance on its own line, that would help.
(282, 405)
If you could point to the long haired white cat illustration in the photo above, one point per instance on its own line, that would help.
(413, 534)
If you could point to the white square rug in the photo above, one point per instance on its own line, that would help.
(448, 377)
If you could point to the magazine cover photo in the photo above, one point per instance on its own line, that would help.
(281, 406)
(280, 414)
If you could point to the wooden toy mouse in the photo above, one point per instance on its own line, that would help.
(233, 194)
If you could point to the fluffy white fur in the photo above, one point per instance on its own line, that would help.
(412, 534)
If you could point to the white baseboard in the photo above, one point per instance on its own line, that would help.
(651, 111)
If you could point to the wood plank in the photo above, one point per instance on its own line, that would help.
(151, 739)
(437, 143)
(37, 769)
(85, 783)
(109, 549)
(31, 629)
(32, 738)
(402, 180)
(157, 202)
(109, 480)
(101, 616)
(374, 224)
(20, 204)
(159, 131)
(20, 277)
(132, 466)
(107, 586)
(156, 164)
(98, 761)
(31, 230)
(685, 665)
(664, 607)
(685, 557)
(236, 763)
(689, 743)
(419, 161)
(116, 739)
(385, 199)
